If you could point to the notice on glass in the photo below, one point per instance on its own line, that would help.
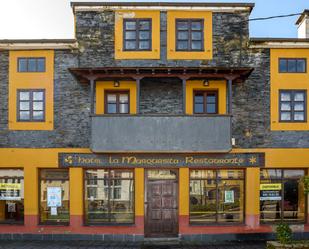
(11, 207)
(10, 191)
(270, 192)
(54, 196)
(229, 196)
(53, 211)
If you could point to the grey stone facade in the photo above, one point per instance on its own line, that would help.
(95, 34)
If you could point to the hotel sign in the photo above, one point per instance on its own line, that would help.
(161, 160)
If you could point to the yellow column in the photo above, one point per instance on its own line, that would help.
(76, 191)
(31, 190)
(252, 197)
(139, 191)
(183, 191)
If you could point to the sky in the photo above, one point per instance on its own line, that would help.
(53, 19)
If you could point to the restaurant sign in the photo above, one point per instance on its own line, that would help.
(161, 160)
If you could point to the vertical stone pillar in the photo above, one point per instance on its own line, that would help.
(252, 212)
(76, 197)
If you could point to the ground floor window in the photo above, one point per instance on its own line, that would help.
(282, 196)
(11, 196)
(216, 196)
(109, 196)
(54, 196)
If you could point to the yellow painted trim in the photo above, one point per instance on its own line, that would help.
(285, 81)
(76, 191)
(102, 86)
(252, 191)
(44, 80)
(139, 192)
(184, 191)
(31, 190)
(196, 85)
(120, 54)
(172, 54)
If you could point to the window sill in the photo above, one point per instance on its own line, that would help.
(110, 224)
(238, 224)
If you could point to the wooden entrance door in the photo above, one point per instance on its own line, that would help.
(161, 217)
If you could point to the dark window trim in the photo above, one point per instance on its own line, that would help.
(286, 61)
(292, 92)
(36, 64)
(85, 178)
(282, 179)
(31, 91)
(190, 20)
(137, 31)
(216, 223)
(205, 93)
(52, 223)
(106, 92)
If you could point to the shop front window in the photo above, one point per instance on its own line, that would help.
(11, 196)
(282, 196)
(54, 196)
(109, 196)
(216, 196)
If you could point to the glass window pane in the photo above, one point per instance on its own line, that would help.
(123, 98)
(22, 65)
(24, 115)
(32, 65)
(203, 174)
(293, 173)
(111, 108)
(12, 196)
(144, 45)
(111, 98)
(196, 36)
(130, 44)
(38, 95)
(182, 25)
(41, 65)
(285, 106)
(24, 95)
(144, 35)
(183, 35)
(285, 116)
(182, 45)
(130, 35)
(144, 25)
(285, 96)
(299, 116)
(123, 108)
(197, 45)
(291, 65)
(299, 96)
(282, 65)
(38, 115)
(227, 174)
(299, 107)
(161, 174)
(199, 98)
(198, 108)
(38, 106)
(130, 25)
(211, 98)
(196, 25)
(271, 174)
(301, 66)
(211, 108)
(24, 106)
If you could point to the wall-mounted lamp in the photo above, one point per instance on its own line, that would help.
(116, 83)
(205, 83)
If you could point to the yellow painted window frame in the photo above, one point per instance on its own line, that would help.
(31, 80)
(286, 81)
(172, 54)
(154, 53)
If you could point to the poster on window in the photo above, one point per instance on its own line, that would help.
(270, 192)
(10, 191)
(11, 207)
(54, 196)
(229, 196)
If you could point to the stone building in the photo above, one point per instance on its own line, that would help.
(156, 120)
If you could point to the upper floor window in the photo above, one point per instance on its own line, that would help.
(31, 105)
(292, 65)
(117, 102)
(189, 34)
(137, 34)
(206, 102)
(36, 64)
(292, 105)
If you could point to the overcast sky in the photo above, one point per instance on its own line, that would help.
(53, 19)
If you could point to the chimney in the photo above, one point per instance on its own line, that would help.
(303, 24)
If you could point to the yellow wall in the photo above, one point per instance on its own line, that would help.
(192, 86)
(172, 54)
(287, 81)
(102, 86)
(31, 80)
(120, 54)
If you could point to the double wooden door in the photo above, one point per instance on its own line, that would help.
(161, 206)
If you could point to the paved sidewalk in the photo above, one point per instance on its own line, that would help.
(115, 245)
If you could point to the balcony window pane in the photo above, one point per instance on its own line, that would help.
(291, 65)
(285, 116)
(41, 65)
(112, 108)
(285, 106)
(22, 65)
(37, 106)
(144, 35)
(199, 98)
(196, 45)
(38, 115)
(130, 25)
(38, 95)
(182, 45)
(299, 107)
(211, 98)
(111, 98)
(211, 108)
(299, 116)
(123, 108)
(130, 35)
(198, 108)
(24, 95)
(183, 35)
(123, 98)
(24, 106)
(299, 96)
(301, 66)
(144, 25)
(196, 36)
(283, 66)
(32, 65)
(285, 96)
(196, 25)
(144, 45)
(24, 115)
(130, 44)
(182, 25)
